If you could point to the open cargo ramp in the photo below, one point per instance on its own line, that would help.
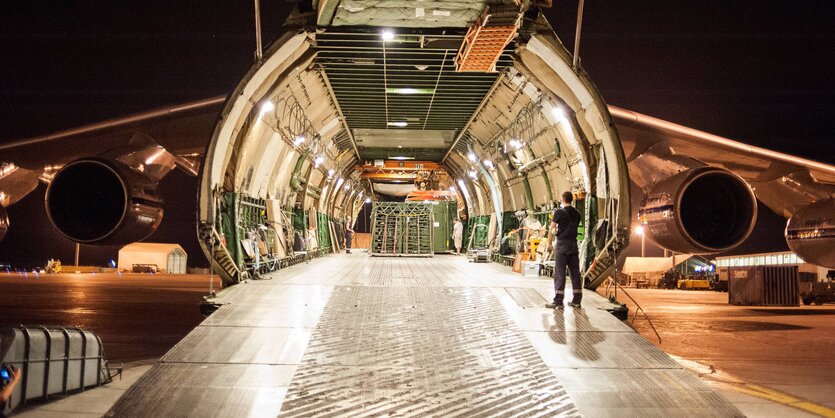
(368, 336)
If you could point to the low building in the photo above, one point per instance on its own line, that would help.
(648, 271)
(164, 258)
(808, 272)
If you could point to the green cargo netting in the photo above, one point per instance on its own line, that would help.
(480, 238)
(228, 226)
(239, 214)
(323, 231)
(509, 222)
(584, 238)
(299, 220)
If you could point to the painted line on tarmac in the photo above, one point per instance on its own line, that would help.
(728, 381)
(778, 397)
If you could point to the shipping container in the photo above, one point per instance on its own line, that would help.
(443, 212)
(763, 286)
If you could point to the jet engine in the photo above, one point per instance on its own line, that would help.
(810, 233)
(702, 210)
(4, 222)
(103, 202)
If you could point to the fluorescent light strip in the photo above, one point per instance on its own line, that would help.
(409, 90)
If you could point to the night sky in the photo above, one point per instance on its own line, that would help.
(760, 72)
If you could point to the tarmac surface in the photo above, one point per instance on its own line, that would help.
(137, 316)
(787, 349)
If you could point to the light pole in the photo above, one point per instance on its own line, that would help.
(640, 231)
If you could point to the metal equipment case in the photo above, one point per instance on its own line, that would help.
(53, 360)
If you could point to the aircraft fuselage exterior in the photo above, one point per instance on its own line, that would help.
(293, 108)
(485, 90)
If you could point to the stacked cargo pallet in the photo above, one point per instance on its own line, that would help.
(401, 229)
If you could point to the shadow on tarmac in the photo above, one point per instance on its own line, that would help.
(797, 311)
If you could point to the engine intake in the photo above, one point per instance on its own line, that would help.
(810, 233)
(703, 210)
(97, 201)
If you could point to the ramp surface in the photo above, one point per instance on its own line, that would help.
(352, 335)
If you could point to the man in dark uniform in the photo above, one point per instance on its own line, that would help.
(565, 220)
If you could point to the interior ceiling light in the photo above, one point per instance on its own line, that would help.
(401, 158)
(330, 172)
(387, 35)
(473, 175)
(318, 161)
(367, 200)
(452, 188)
(299, 140)
(267, 106)
(558, 113)
(472, 157)
(398, 124)
(400, 146)
(408, 90)
(515, 143)
(489, 164)
(421, 67)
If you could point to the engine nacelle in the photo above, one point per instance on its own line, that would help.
(102, 202)
(4, 222)
(810, 233)
(703, 210)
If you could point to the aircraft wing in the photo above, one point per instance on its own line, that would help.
(784, 183)
(182, 130)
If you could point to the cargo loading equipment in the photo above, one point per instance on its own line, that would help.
(477, 251)
(53, 360)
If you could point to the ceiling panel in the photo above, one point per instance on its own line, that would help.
(407, 83)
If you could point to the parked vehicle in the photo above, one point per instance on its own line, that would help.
(818, 292)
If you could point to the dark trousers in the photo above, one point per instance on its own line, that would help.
(572, 261)
(348, 238)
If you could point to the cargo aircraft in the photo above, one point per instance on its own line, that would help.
(359, 100)
(482, 90)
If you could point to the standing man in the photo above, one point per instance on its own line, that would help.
(565, 221)
(457, 235)
(349, 235)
